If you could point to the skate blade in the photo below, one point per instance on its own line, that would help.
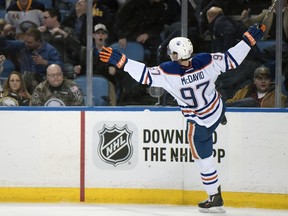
(218, 209)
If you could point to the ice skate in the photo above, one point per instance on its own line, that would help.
(214, 204)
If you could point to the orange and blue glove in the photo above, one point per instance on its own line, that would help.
(254, 34)
(113, 56)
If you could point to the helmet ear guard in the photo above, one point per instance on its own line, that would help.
(180, 48)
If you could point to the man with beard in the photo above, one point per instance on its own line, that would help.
(34, 56)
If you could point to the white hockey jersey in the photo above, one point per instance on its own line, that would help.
(193, 87)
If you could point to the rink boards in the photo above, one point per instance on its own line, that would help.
(139, 155)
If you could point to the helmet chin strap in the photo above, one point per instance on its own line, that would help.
(174, 57)
(184, 62)
(188, 59)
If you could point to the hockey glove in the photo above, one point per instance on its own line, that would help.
(113, 56)
(254, 34)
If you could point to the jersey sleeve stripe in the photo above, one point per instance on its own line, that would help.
(148, 80)
(143, 74)
(233, 60)
(146, 77)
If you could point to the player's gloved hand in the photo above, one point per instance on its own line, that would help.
(254, 34)
(113, 56)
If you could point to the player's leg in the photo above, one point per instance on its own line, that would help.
(201, 145)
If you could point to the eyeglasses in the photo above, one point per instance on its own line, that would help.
(55, 75)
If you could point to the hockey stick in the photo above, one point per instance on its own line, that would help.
(270, 10)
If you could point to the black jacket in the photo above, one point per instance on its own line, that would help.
(223, 32)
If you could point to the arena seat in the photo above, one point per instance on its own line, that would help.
(100, 89)
(134, 50)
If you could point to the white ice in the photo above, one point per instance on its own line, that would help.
(83, 209)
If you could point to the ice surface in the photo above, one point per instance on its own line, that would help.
(83, 209)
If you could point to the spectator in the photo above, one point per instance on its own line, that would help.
(9, 32)
(104, 12)
(261, 93)
(34, 56)
(2, 59)
(225, 33)
(11, 63)
(77, 20)
(24, 14)
(63, 39)
(141, 21)
(57, 90)
(100, 35)
(14, 91)
(222, 29)
(204, 5)
(2, 24)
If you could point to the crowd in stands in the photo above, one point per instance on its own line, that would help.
(34, 37)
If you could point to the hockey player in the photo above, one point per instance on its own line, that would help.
(191, 81)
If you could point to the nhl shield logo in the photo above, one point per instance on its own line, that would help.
(115, 144)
